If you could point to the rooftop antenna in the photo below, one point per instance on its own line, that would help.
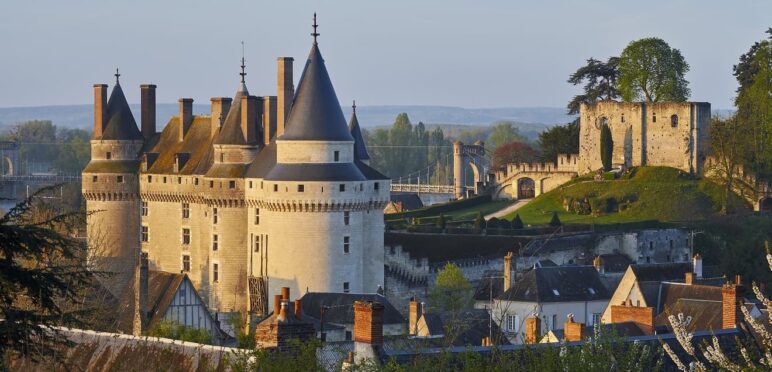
(243, 65)
(315, 25)
(117, 76)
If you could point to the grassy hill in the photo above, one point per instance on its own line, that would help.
(645, 193)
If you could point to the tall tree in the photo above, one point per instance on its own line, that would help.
(560, 139)
(503, 132)
(650, 69)
(600, 82)
(606, 147)
(451, 296)
(728, 141)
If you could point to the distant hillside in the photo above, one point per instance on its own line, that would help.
(648, 193)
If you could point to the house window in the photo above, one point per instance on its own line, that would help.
(215, 242)
(261, 185)
(143, 208)
(301, 188)
(231, 184)
(109, 155)
(145, 235)
(120, 179)
(275, 188)
(214, 216)
(336, 154)
(512, 323)
(345, 287)
(257, 216)
(554, 321)
(186, 263)
(215, 272)
(346, 244)
(674, 121)
(651, 246)
(671, 244)
(377, 186)
(342, 187)
(222, 158)
(185, 210)
(595, 318)
(149, 179)
(94, 179)
(346, 217)
(258, 238)
(186, 236)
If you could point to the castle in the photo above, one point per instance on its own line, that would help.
(266, 192)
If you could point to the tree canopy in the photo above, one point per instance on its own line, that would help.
(600, 82)
(560, 139)
(649, 69)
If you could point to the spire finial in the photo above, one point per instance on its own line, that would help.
(243, 63)
(315, 25)
(354, 106)
(117, 76)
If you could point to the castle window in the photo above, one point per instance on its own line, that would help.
(195, 181)
(211, 184)
(361, 187)
(623, 118)
(257, 243)
(261, 185)
(120, 179)
(109, 155)
(185, 210)
(674, 121)
(214, 216)
(257, 216)
(215, 272)
(250, 184)
(145, 236)
(651, 246)
(275, 188)
(94, 179)
(185, 236)
(346, 217)
(654, 117)
(222, 158)
(345, 287)
(164, 179)
(149, 179)
(346, 244)
(342, 187)
(215, 242)
(186, 263)
(179, 180)
(377, 186)
(143, 208)
(336, 154)
(671, 244)
(231, 184)
(301, 188)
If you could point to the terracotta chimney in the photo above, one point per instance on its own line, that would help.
(285, 293)
(738, 280)
(729, 306)
(368, 322)
(283, 312)
(572, 330)
(697, 266)
(269, 118)
(509, 271)
(220, 108)
(414, 313)
(276, 304)
(598, 263)
(286, 93)
(298, 309)
(689, 278)
(147, 102)
(532, 329)
(249, 118)
(186, 117)
(643, 317)
(100, 109)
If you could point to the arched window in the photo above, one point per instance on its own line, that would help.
(674, 121)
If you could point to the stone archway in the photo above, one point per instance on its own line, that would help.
(465, 156)
(6, 168)
(765, 204)
(526, 188)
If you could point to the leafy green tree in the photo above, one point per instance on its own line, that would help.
(560, 139)
(503, 132)
(517, 223)
(650, 69)
(555, 221)
(728, 143)
(601, 80)
(513, 153)
(451, 296)
(176, 331)
(606, 147)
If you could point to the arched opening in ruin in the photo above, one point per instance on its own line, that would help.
(526, 188)
(7, 167)
(765, 205)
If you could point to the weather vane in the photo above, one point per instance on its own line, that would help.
(354, 106)
(243, 65)
(315, 25)
(117, 76)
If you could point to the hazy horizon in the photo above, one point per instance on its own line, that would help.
(491, 54)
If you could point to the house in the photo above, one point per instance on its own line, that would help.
(473, 327)
(552, 293)
(403, 202)
(335, 313)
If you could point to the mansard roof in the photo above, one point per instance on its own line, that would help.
(360, 150)
(120, 122)
(316, 114)
(230, 133)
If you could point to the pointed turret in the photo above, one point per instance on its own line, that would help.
(120, 122)
(360, 150)
(231, 133)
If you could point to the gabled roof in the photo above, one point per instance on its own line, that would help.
(342, 307)
(316, 114)
(661, 271)
(360, 150)
(120, 122)
(558, 284)
(230, 133)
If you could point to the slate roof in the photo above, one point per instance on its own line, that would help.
(230, 132)
(369, 172)
(559, 243)
(474, 325)
(120, 122)
(316, 114)
(661, 272)
(558, 284)
(621, 329)
(342, 307)
(315, 172)
(360, 150)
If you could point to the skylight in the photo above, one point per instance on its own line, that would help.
(591, 290)
(555, 291)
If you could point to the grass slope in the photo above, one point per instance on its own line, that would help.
(646, 193)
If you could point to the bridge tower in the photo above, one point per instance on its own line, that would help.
(474, 156)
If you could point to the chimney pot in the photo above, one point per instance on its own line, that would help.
(697, 266)
(298, 309)
(738, 279)
(729, 306)
(285, 293)
(689, 278)
(532, 329)
(276, 304)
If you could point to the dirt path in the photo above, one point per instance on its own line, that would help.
(508, 209)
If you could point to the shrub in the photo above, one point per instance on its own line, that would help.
(517, 223)
(555, 221)
(609, 176)
(176, 331)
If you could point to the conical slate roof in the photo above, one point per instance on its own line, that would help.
(316, 113)
(120, 122)
(230, 133)
(360, 150)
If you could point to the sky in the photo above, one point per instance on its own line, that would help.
(473, 54)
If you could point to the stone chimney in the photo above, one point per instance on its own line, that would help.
(298, 309)
(598, 263)
(269, 118)
(729, 306)
(186, 117)
(249, 118)
(643, 317)
(279, 330)
(286, 93)
(509, 271)
(572, 330)
(697, 266)
(689, 278)
(147, 103)
(532, 329)
(414, 313)
(220, 108)
(368, 331)
(100, 109)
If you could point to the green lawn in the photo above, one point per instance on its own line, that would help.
(648, 193)
(471, 212)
